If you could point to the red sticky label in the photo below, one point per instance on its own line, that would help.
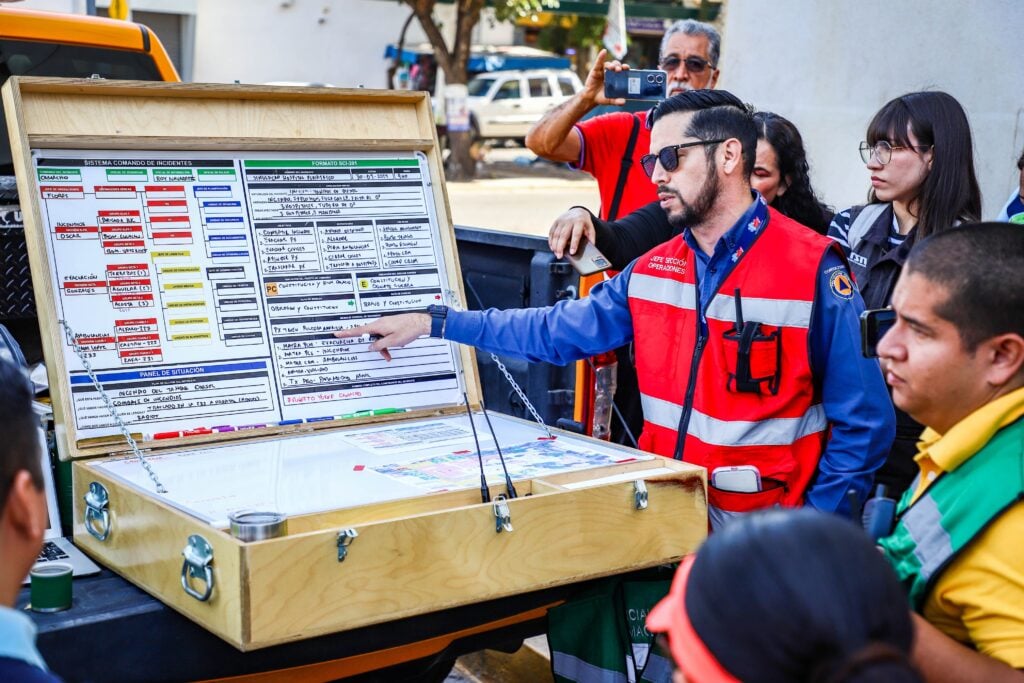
(359, 468)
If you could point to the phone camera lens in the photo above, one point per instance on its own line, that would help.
(660, 79)
(650, 78)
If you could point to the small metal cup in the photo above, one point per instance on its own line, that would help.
(251, 525)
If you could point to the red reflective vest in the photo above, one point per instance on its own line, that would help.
(693, 383)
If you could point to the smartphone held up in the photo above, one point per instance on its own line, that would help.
(638, 84)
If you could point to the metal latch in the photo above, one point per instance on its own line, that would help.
(198, 556)
(640, 494)
(97, 517)
(502, 515)
(345, 538)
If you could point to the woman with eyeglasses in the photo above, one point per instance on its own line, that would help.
(921, 160)
(786, 595)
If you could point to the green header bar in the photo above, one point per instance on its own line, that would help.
(60, 171)
(330, 163)
(216, 171)
(127, 171)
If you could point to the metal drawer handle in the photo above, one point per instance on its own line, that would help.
(97, 517)
(198, 557)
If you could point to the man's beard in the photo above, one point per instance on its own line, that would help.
(695, 214)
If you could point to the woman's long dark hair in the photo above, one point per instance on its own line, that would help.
(950, 191)
(800, 595)
(799, 201)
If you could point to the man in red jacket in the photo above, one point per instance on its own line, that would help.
(745, 325)
(689, 54)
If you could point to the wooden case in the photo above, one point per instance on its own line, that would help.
(354, 565)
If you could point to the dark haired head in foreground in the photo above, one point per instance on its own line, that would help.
(793, 595)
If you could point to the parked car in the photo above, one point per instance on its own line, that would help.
(504, 104)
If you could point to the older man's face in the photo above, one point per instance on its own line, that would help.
(678, 49)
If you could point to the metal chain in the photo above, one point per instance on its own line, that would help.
(457, 305)
(110, 407)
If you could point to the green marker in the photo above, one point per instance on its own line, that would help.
(373, 413)
(388, 411)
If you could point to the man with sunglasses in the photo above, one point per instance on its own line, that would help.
(745, 327)
(601, 145)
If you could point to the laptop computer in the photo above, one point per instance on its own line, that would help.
(57, 548)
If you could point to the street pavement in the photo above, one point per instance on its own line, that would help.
(515, 191)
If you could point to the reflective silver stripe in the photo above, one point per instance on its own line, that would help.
(932, 545)
(575, 669)
(660, 412)
(775, 431)
(778, 312)
(662, 290)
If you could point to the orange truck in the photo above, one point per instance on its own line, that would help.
(34, 43)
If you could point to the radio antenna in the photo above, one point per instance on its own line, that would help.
(485, 493)
(508, 480)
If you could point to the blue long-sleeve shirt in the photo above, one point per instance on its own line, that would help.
(851, 387)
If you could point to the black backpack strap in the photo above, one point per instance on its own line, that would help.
(627, 161)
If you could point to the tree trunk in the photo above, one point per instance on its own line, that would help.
(461, 165)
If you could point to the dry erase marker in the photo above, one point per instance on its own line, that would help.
(254, 426)
(196, 431)
(163, 435)
(320, 419)
(285, 423)
(387, 411)
(222, 428)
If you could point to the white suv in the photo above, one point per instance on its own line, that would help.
(504, 104)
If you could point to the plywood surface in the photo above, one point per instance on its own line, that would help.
(145, 544)
(427, 562)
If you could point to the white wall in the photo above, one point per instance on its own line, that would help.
(829, 66)
(325, 41)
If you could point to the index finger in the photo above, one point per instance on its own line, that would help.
(357, 331)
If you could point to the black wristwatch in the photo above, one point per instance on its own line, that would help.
(438, 315)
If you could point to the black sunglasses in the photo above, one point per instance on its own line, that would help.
(694, 65)
(669, 156)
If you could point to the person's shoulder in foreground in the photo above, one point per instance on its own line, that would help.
(23, 521)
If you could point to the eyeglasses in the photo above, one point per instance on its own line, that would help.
(882, 151)
(695, 65)
(669, 156)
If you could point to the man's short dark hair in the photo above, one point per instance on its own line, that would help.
(980, 265)
(19, 441)
(719, 115)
